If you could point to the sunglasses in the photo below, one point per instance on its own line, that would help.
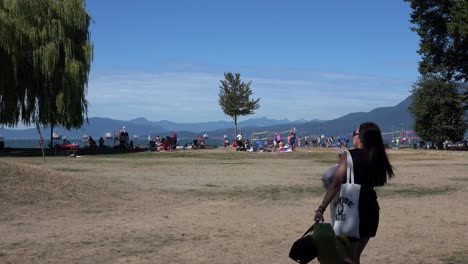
(355, 133)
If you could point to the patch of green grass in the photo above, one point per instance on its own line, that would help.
(228, 163)
(200, 237)
(69, 169)
(458, 257)
(227, 155)
(92, 211)
(268, 192)
(458, 179)
(178, 154)
(97, 160)
(426, 165)
(280, 192)
(414, 191)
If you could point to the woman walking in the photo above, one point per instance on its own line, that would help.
(371, 169)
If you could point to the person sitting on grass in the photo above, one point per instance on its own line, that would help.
(281, 145)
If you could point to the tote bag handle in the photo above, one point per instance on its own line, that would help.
(349, 168)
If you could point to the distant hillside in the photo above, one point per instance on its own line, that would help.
(388, 118)
(210, 126)
(96, 127)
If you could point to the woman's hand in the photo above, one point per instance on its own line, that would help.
(318, 217)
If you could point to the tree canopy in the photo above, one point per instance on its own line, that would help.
(45, 57)
(437, 110)
(442, 26)
(234, 97)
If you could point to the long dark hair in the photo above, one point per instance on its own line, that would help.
(371, 138)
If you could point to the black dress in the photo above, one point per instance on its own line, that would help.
(368, 205)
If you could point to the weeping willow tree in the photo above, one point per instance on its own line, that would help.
(45, 58)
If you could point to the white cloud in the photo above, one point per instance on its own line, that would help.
(192, 96)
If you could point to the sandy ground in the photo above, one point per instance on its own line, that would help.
(218, 206)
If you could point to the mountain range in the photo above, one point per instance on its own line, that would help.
(388, 118)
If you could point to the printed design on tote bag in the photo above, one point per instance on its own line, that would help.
(339, 204)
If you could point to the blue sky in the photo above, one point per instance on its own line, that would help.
(164, 60)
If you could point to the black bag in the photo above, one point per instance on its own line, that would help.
(304, 249)
(318, 241)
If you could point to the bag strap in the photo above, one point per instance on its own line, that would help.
(349, 168)
(310, 229)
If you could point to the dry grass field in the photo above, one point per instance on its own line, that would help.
(218, 206)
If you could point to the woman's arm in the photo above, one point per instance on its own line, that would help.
(333, 188)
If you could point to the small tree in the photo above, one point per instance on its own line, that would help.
(234, 97)
(437, 110)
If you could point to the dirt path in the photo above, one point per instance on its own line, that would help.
(217, 206)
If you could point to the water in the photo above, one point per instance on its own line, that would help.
(22, 143)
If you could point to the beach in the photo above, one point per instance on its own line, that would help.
(218, 206)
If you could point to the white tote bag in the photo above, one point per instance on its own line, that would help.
(346, 214)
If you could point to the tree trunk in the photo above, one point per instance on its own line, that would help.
(235, 123)
(51, 136)
(41, 141)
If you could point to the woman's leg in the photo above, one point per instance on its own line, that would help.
(353, 253)
(362, 245)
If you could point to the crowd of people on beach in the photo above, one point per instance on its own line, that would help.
(167, 143)
(276, 142)
(122, 140)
